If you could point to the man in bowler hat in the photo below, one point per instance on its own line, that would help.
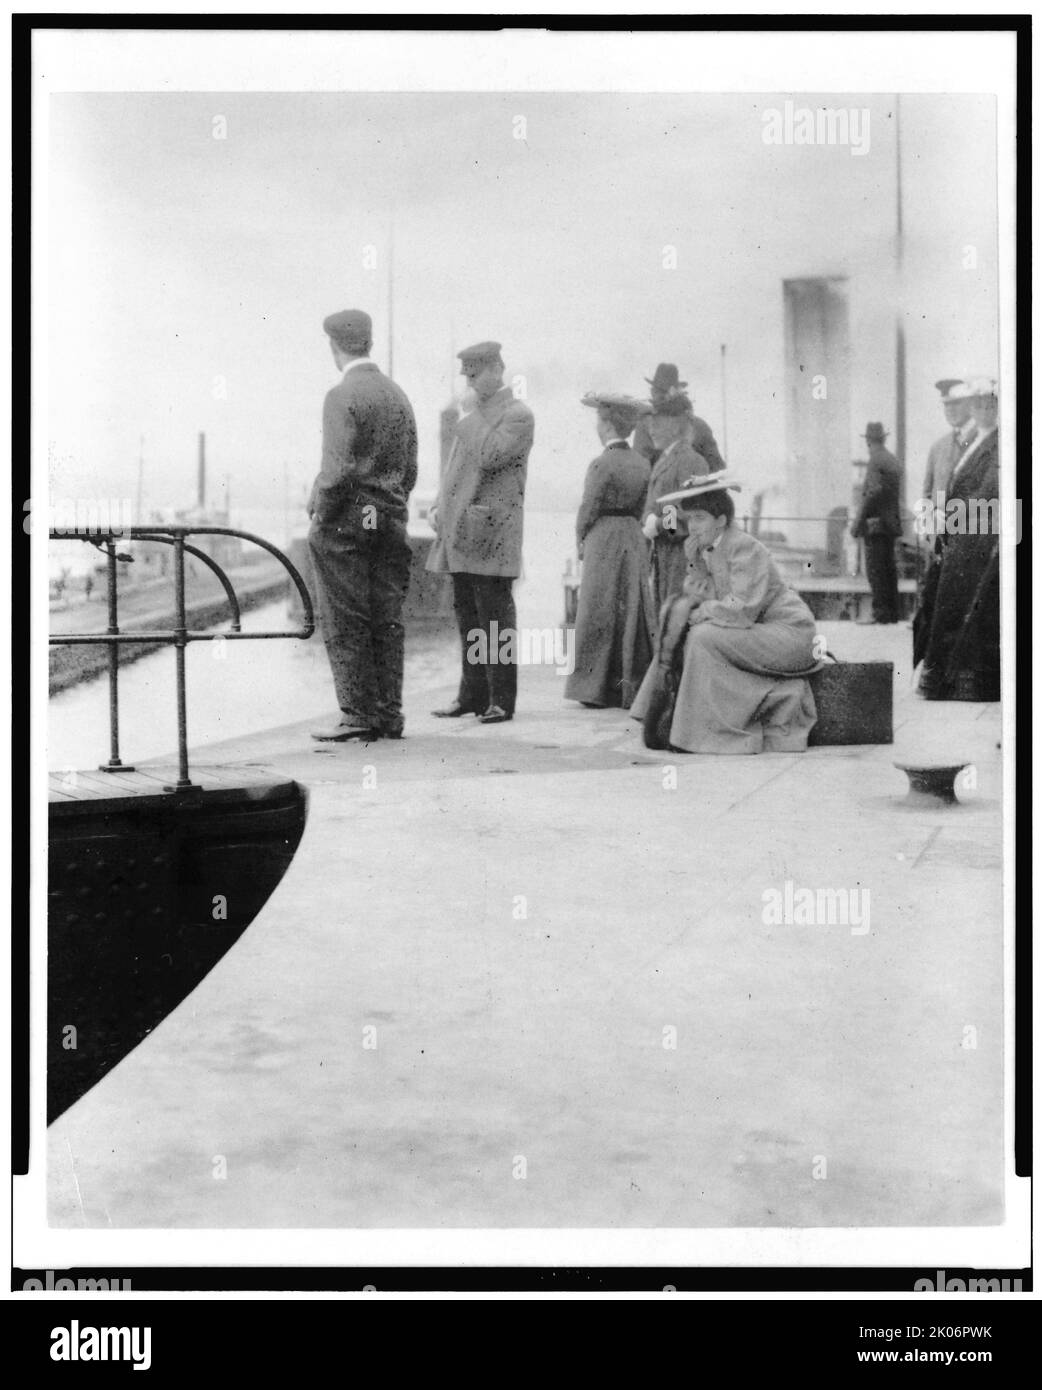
(477, 519)
(665, 386)
(878, 524)
(358, 542)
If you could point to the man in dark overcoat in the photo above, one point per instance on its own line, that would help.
(878, 524)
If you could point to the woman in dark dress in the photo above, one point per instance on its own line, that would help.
(613, 624)
(957, 626)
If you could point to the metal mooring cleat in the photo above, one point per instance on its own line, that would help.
(932, 783)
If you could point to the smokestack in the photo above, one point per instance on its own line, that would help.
(202, 471)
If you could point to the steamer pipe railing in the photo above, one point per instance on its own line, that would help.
(180, 635)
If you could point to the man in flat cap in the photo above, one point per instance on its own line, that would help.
(956, 399)
(358, 542)
(477, 518)
(676, 462)
(665, 385)
(878, 524)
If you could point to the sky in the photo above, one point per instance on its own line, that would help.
(594, 235)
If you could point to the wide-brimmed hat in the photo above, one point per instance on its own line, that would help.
(702, 483)
(617, 401)
(666, 378)
(874, 432)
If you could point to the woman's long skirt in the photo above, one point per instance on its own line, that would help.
(741, 690)
(613, 624)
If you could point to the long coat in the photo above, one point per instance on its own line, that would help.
(956, 630)
(480, 505)
(881, 499)
(614, 622)
(944, 454)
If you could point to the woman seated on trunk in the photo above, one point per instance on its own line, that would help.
(746, 641)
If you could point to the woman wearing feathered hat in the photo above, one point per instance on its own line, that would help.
(613, 623)
(745, 640)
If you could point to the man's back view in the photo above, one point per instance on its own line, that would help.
(358, 540)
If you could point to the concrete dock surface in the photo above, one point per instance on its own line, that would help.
(533, 975)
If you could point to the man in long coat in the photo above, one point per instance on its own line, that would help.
(666, 384)
(956, 630)
(478, 520)
(358, 543)
(878, 524)
(946, 452)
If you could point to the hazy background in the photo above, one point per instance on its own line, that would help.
(181, 266)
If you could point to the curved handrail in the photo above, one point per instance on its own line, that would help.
(175, 534)
(211, 564)
(180, 635)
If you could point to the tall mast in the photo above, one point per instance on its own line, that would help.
(139, 519)
(390, 298)
(899, 346)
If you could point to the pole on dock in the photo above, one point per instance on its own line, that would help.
(899, 344)
(723, 396)
(114, 764)
(202, 472)
(180, 643)
(139, 519)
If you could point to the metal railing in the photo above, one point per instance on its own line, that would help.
(180, 635)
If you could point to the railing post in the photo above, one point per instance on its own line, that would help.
(114, 764)
(180, 643)
(180, 636)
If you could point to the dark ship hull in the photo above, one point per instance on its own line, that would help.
(147, 891)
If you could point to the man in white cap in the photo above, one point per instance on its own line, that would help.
(956, 630)
(478, 519)
(956, 398)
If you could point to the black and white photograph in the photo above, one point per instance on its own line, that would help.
(524, 722)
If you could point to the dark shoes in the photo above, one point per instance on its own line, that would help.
(494, 715)
(343, 731)
(454, 710)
